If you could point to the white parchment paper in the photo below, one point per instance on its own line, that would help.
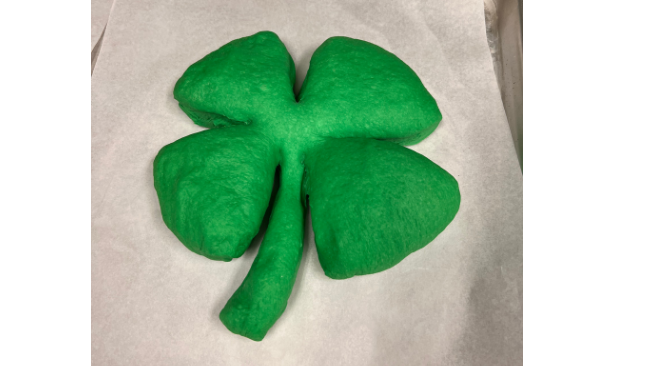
(458, 301)
(100, 11)
(504, 32)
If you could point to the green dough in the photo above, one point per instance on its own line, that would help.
(337, 146)
(373, 203)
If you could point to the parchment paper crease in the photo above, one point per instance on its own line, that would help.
(100, 11)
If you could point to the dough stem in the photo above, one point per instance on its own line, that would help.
(262, 298)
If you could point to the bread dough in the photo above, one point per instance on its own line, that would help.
(336, 146)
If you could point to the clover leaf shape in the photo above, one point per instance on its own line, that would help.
(337, 145)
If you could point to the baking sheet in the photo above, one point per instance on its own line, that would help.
(458, 301)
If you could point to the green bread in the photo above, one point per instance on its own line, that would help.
(338, 149)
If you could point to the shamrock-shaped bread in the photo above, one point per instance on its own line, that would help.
(337, 145)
